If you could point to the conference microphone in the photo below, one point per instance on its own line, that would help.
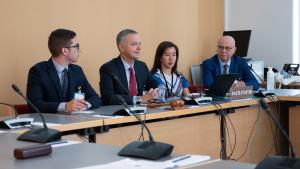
(15, 122)
(278, 161)
(39, 135)
(123, 112)
(260, 93)
(252, 70)
(117, 80)
(144, 149)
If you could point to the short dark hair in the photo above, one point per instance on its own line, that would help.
(162, 47)
(123, 34)
(59, 39)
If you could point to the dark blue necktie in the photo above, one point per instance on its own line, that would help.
(65, 83)
(225, 68)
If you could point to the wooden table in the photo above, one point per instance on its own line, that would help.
(197, 130)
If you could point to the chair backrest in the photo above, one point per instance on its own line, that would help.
(22, 108)
(196, 74)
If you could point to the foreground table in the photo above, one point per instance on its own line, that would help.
(77, 156)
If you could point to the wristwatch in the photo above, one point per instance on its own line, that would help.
(138, 99)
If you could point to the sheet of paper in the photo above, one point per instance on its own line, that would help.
(189, 160)
(3, 131)
(128, 163)
(180, 161)
(41, 124)
(63, 143)
(239, 100)
(106, 117)
(84, 112)
(193, 106)
(207, 162)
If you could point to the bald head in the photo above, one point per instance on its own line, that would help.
(226, 48)
(227, 40)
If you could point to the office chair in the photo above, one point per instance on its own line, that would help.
(22, 108)
(196, 74)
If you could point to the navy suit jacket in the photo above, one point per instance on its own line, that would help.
(44, 89)
(211, 69)
(113, 81)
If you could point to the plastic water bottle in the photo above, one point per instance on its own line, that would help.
(161, 96)
(270, 79)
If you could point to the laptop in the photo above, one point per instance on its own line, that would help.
(221, 85)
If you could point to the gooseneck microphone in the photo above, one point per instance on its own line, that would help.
(39, 135)
(117, 80)
(252, 70)
(144, 149)
(260, 93)
(278, 161)
(265, 106)
(16, 89)
(15, 122)
(122, 102)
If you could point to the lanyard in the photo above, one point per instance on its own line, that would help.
(170, 92)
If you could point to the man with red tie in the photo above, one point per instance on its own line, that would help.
(125, 75)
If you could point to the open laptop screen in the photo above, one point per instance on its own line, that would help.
(221, 85)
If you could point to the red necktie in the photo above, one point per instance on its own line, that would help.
(132, 82)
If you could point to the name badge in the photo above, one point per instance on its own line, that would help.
(79, 94)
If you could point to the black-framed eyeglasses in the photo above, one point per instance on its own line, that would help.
(227, 48)
(74, 46)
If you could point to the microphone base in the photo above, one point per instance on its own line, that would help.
(279, 162)
(147, 149)
(133, 110)
(40, 135)
(197, 100)
(15, 123)
(263, 94)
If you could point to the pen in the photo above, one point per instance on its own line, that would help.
(181, 158)
(58, 142)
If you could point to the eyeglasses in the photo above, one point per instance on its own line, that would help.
(227, 48)
(74, 46)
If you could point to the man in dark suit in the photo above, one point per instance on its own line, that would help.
(125, 75)
(57, 85)
(226, 62)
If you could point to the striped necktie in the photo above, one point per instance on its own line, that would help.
(225, 68)
(65, 83)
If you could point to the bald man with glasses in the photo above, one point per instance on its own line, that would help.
(225, 62)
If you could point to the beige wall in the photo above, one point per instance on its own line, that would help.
(194, 25)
